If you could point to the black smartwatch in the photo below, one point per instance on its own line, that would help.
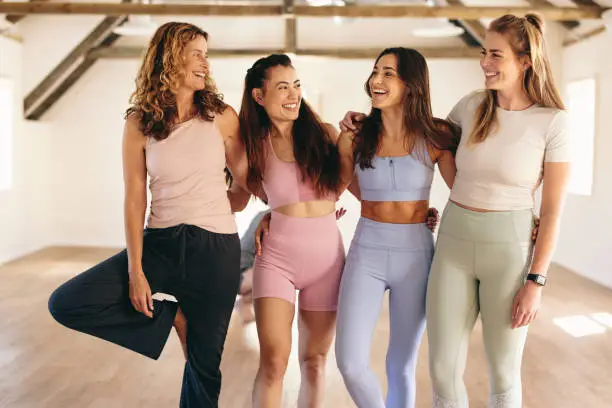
(540, 280)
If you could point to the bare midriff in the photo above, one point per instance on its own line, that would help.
(395, 212)
(308, 209)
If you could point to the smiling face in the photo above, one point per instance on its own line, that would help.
(386, 87)
(281, 95)
(195, 67)
(503, 68)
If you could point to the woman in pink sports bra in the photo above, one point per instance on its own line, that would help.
(295, 165)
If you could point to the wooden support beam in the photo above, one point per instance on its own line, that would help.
(591, 33)
(372, 53)
(70, 69)
(474, 28)
(359, 53)
(585, 36)
(290, 26)
(395, 10)
(570, 25)
(15, 18)
(586, 3)
(135, 52)
(120, 9)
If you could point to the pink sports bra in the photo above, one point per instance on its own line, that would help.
(283, 184)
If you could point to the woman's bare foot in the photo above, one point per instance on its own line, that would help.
(180, 324)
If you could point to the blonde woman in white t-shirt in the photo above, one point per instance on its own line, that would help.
(513, 139)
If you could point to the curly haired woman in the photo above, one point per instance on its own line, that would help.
(181, 134)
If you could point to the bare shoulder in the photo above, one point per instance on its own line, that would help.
(228, 114)
(133, 121)
(332, 133)
(227, 121)
(131, 130)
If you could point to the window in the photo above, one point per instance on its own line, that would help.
(581, 108)
(6, 134)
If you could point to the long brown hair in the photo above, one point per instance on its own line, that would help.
(526, 37)
(154, 98)
(315, 153)
(423, 130)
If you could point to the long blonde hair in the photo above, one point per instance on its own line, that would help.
(158, 79)
(526, 37)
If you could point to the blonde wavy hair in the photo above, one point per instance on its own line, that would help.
(526, 37)
(154, 99)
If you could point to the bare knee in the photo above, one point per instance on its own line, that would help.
(273, 366)
(313, 365)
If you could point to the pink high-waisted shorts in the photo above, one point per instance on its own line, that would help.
(306, 254)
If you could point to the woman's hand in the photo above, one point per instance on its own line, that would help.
(340, 213)
(351, 121)
(433, 218)
(536, 227)
(526, 304)
(262, 229)
(140, 293)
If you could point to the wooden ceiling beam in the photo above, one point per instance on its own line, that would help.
(70, 69)
(395, 10)
(569, 24)
(592, 33)
(585, 36)
(124, 52)
(15, 18)
(586, 3)
(474, 28)
(290, 26)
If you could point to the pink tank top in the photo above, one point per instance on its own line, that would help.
(283, 184)
(187, 179)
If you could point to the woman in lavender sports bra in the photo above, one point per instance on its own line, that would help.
(294, 161)
(180, 133)
(394, 154)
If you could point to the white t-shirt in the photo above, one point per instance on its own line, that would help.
(503, 172)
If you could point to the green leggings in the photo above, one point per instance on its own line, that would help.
(480, 263)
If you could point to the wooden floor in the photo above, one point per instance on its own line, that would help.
(44, 365)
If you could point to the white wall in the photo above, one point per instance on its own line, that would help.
(87, 122)
(42, 51)
(24, 209)
(586, 238)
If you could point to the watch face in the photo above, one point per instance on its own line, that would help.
(541, 280)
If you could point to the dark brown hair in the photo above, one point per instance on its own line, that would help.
(315, 153)
(154, 99)
(423, 130)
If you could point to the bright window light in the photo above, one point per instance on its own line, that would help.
(581, 109)
(603, 318)
(579, 326)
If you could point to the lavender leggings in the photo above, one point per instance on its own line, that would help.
(383, 256)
